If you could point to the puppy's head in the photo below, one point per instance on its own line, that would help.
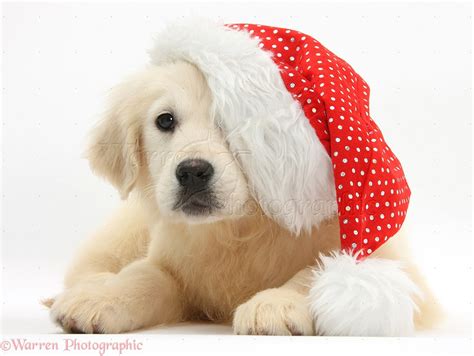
(160, 138)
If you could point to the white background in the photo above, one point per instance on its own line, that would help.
(60, 59)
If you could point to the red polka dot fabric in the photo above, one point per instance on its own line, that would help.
(372, 192)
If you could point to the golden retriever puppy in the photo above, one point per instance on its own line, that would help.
(193, 241)
(164, 259)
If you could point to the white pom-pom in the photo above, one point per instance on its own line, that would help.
(373, 297)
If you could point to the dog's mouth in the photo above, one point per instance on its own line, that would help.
(200, 203)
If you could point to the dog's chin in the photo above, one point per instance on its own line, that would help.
(202, 208)
(201, 219)
(197, 211)
(197, 214)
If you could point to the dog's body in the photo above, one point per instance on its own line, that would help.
(169, 256)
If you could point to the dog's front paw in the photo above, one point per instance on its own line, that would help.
(89, 310)
(274, 312)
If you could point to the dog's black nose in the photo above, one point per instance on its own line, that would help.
(194, 173)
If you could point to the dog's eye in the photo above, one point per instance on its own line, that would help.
(165, 122)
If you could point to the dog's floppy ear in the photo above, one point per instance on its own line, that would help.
(114, 147)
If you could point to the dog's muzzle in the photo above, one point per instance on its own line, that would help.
(195, 196)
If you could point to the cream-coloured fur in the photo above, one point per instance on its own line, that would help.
(151, 264)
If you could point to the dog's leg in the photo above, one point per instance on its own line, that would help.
(124, 238)
(277, 311)
(140, 295)
(384, 296)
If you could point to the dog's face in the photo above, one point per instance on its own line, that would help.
(160, 137)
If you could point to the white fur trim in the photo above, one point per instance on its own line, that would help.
(289, 172)
(373, 297)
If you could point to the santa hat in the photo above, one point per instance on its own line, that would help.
(297, 118)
